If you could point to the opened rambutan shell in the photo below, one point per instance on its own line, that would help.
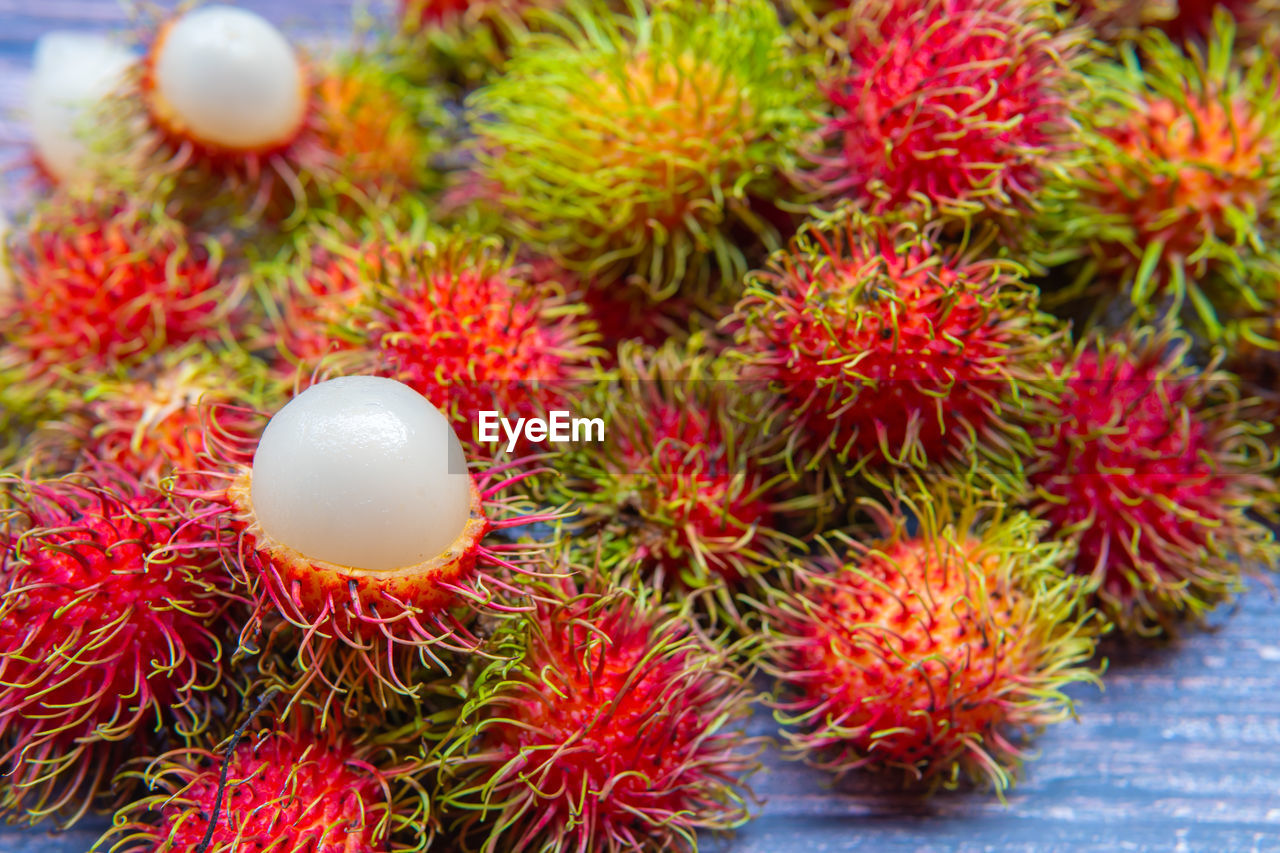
(892, 351)
(629, 148)
(362, 627)
(110, 635)
(607, 725)
(1159, 474)
(935, 651)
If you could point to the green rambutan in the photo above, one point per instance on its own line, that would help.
(605, 724)
(354, 519)
(934, 651)
(957, 107)
(298, 786)
(97, 287)
(631, 146)
(891, 350)
(680, 486)
(1158, 473)
(110, 635)
(1177, 196)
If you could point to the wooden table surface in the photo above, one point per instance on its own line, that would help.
(1180, 752)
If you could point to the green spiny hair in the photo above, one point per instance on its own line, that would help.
(633, 146)
(1177, 197)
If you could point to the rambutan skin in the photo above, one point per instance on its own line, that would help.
(630, 147)
(1177, 195)
(934, 652)
(681, 482)
(110, 629)
(98, 287)
(892, 351)
(295, 787)
(605, 724)
(463, 326)
(958, 107)
(1159, 474)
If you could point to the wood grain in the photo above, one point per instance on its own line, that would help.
(1180, 752)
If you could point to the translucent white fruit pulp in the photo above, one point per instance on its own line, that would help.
(230, 78)
(72, 73)
(363, 472)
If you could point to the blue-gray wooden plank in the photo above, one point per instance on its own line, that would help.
(1180, 752)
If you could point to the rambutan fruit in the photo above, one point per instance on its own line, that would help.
(892, 351)
(605, 724)
(223, 113)
(1157, 472)
(71, 77)
(1183, 20)
(459, 322)
(462, 42)
(292, 787)
(680, 486)
(354, 519)
(1177, 196)
(110, 635)
(151, 423)
(935, 651)
(103, 286)
(630, 146)
(959, 108)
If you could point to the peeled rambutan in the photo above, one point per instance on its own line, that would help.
(355, 520)
(1177, 195)
(606, 725)
(630, 147)
(292, 787)
(893, 351)
(1157, 472)
(933, 651)
(680, 483)
(97, 287)
(463, 325)
(222, 113)
(110, 635)
(958, 107)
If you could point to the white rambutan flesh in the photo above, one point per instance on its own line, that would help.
(364, 472)
(71, 75)
(228, 78)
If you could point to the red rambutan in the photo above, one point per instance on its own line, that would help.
(958, 106)
(892, 350)
(109, 631)
(606, 725)
(96, 288)
(291, 788)
(933, 651)
(1155, 470)
(680, 482)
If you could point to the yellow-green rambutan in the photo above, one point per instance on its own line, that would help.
(1176, 198)
(935, 650)
(632, 147)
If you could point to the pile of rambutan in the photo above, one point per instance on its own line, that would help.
(473, 438)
